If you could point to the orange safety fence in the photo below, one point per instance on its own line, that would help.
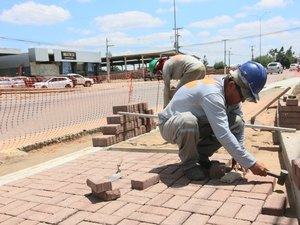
(30, 116)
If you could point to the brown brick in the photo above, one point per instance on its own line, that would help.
(296, 180)
(108, 195)
(296, 167)
(121, 108)
(104, 140)
(115, 119)
(283, 108)
(112, 129)
(292, 102)
(228, 209)
(274, 205)
(99, 185)
(144, 181)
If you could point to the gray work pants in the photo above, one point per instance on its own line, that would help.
(195, 137)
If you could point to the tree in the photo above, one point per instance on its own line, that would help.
(264, 60)
(219, 65)
(285, 58)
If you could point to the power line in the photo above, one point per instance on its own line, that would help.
(241, 38)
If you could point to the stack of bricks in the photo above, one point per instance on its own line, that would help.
(102, 189)
(289, 112)
(296, 172)
(122, 127)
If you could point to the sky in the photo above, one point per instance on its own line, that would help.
(220, 30)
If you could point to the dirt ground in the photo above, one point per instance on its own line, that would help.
(262, 144)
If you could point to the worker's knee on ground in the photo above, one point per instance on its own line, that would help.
(236, 123)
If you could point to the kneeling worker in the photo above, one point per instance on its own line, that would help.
(204, 115)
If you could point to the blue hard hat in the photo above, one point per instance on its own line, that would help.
(255, 75)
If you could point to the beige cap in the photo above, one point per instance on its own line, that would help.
(243, 84)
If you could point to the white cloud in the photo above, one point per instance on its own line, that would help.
(203, 34)
(31, 13)
(268, 4)
(214, 22)
(80, 31)
(127, 20)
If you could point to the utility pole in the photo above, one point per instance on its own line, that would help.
(225, 56)
(229, 53)
(176, 35)
(252, 57)
(108, 60)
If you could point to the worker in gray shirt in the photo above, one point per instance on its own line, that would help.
(184, 68)
(204, 115)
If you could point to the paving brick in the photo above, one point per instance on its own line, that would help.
(127, 209)
(160, 199)
(99, 185)
(291, 102)
(144, 181)
(228, 209)
(277, 220)
(265, 188)
(108, 195)
(259, 196)
(201, 206)
(112, 207)
(155, 210)
(175, 202)
(176, 218)
(204, 193)
(296, 167)
(104, 140)
(112, 129)
(104, 218)
(129, 222)
(220, 220)
(246, 201)
(147, 217)
(17, 207)
(197, 219)
(75, 218)
(121, 108)
(274, 205)
(248, 212)
(60, 216)
(115, 119)
(220, 195)
(4, 217)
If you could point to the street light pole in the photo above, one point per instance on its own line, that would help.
(260, 18)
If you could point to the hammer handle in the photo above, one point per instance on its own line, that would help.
(272, 174)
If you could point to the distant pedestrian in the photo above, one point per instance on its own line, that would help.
(184, 68)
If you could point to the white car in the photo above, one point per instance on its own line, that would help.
(80, 80)
(294, 67)
(6, 82)
(274, 67)
(19, 82)
(55, 82)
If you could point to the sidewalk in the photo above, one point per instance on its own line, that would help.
(56, 192)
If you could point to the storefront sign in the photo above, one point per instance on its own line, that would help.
(68, 55)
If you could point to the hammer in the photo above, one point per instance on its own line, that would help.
(280, 178)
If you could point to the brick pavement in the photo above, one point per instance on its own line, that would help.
(60, 195)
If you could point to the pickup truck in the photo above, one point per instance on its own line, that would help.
(80, 80)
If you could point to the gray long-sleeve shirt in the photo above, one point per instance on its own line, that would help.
(205, 99)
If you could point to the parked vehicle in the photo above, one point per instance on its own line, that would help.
(6, 82)
(55, 82)
(274, 67)
(80, 80)
(294, 67)
(20, 82)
